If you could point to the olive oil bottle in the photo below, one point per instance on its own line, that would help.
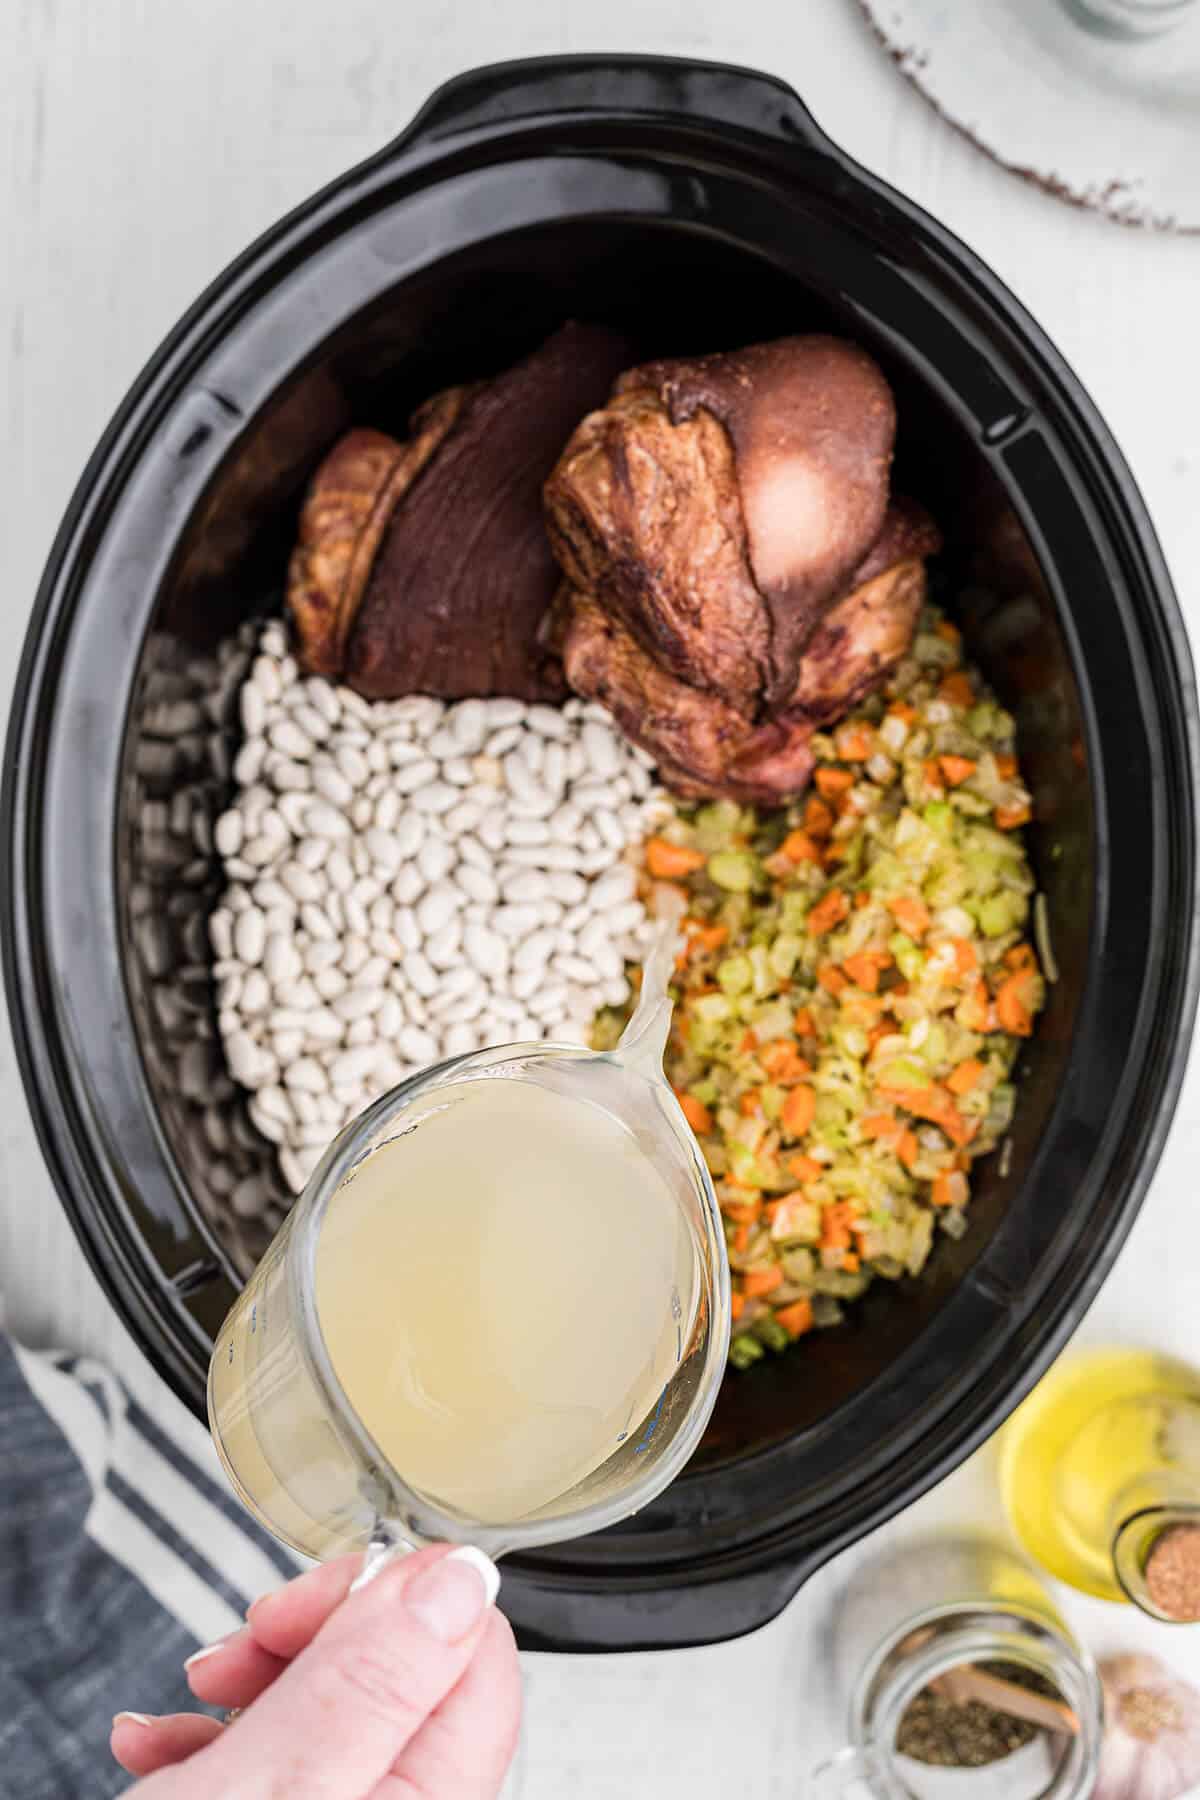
(1100, 1474)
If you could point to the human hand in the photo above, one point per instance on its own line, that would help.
(407, 1688)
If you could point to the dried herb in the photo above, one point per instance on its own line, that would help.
(955, 1735)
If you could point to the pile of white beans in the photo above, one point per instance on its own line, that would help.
(409, 880)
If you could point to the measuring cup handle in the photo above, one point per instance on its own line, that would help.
(385, 1545)
(851, 1772)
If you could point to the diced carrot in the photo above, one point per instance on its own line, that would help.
(933, 775)
(818, 818)
(853, 743)
(828, 912)
(797, 1111)
(830, 977)
(965, 959)
(803, 1025)
(804, 1168)
(906, 1148)
(935, 1104)
(1014, 1007)
(737, 1306)
(797, 1318)
(910, 913)
(1021, 956)
(749, 1043)
(957, 769)
(783, 1062)
(950, 1189)
(865, 967)
(833, 781)
(761, 1281)
(1008, 818)
(976, 1011)
(880, 1126)
(1006, 765)
(962, 1079)
(956, 687)
(713, 936)
(850, 1262)
(741, 1239)
(800, 846)
(836, 1220)
(876, 1036)
(750, 1105)
(667, 861)
(696, 1114)
(949, 632)
(899, 709)
(742, 1212)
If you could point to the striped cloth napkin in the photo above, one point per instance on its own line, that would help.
(121, 1550)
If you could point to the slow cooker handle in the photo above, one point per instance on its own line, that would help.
(664, 88)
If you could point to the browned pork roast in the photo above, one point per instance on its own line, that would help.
(422, 565)
(736, 575)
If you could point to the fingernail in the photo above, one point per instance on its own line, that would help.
(128, 1718)
(199, 1656)
(452, 1595)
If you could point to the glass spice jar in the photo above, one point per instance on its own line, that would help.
(935, 1610)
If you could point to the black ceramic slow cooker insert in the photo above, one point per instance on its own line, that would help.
(696, 207)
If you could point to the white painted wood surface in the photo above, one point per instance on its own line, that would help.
(142, 145)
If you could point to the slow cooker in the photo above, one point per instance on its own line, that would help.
(697, 207)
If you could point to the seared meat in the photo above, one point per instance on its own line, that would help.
(718, 506)
(349, 502)
(646, 515)
(464, 573)
(704, 746)
(422, 565)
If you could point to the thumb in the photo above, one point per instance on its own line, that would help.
(334, 1723)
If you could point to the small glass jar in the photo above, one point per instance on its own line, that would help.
(933, 1607)
(1130, 18)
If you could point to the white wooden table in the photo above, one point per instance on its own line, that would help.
(142, 145)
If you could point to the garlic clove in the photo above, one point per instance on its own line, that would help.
(1151, 1748)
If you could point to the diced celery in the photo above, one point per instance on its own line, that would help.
(909, 959)
(939, 816)
(735, 974)
(734, 870)
(712, 1008)
(744, 1350)
(771, 1333)
(784, 953)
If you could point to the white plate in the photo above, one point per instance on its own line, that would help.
(1105, 123)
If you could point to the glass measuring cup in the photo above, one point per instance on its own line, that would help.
(925, 1611)
(293, 1444)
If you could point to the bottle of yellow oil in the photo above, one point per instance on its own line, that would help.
(1100, 1474)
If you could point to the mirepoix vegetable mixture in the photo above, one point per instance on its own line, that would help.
(854, 988)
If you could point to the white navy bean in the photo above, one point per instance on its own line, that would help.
(249, 935)
(325, 821)
(533, 951)
(435, 859)
(329, 782)
(547, 720)
(417, 1045)
(463, 817)
(404, 924)
(220, 931)
(436, 798)
(227, 833)
(436, 907)
(414, 775)
(354, 1065)
(460, 1039)
(443, 947)
(487, 950)
(339, 870)
(419, 974)
(477, 883)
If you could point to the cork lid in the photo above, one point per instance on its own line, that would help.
(1172, 1573)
